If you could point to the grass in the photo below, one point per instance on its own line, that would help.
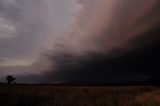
(149, 99)
(20, 95)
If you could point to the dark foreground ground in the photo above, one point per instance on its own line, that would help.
(48, 95)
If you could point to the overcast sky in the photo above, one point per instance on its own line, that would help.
(30, 27)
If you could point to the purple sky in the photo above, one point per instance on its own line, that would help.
(29, 27)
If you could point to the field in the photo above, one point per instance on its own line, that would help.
(37, 95)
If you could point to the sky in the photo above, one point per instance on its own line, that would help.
(57, 40)
(28, 28)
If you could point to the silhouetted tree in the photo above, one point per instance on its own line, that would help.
(10, 79)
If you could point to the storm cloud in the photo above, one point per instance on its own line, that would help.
(111, 41)
(86, 39)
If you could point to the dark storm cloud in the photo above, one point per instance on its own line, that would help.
(128, 46)
(103, 40)
(138, 65)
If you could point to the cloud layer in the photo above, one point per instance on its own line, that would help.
(28, 28)
(73, 28)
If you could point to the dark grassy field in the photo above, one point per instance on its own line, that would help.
(48, 95)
